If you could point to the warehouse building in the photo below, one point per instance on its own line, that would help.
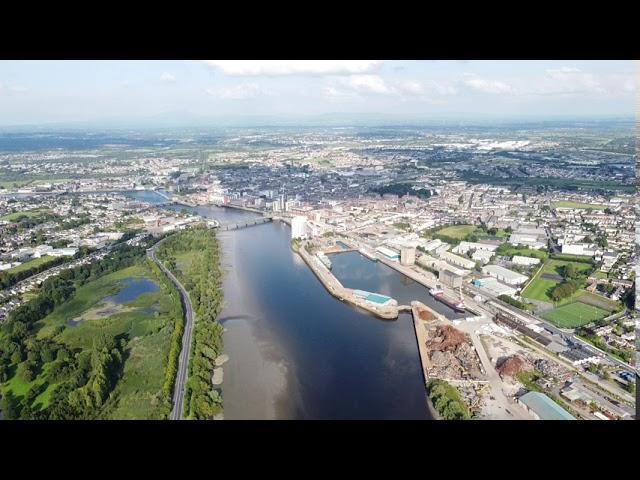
(457, 260)
(542, 407)
(464, 247)
(482, 256)
(389, 253)
(407, 256)
(527, 261)
(505, 275)
(492, 286)
(450, 279)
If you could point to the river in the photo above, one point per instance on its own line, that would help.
(295, 351)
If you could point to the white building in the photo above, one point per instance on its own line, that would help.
(528, 261)
(457, 260)
(482, 256)
(464, 247)
(407, 256)
(577, 249)
(389, 253)
(299, 227)
(505, 275)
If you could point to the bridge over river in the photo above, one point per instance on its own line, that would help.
(250, 223)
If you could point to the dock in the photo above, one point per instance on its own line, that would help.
(347, 295)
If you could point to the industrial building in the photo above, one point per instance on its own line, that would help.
(407, 256)
(464, 247)
(482, 256)
(299, 227)
(457, 260)
(505, 275)
(389, 253)
(527, 261)
(542, 407)
(450, 279)
(578, 249)
(494, 287)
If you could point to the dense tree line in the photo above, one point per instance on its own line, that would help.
(402, 189)
(573, 281)
(203, 281)
(9, 279)
(85, 378)
(514, 302)
(176, 336)
(447, 401)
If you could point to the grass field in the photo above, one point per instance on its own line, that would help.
(147, 324)
(12, 217)
(457, 231)
(556, 266)
(568, 204)
(574, 315)
(11, 184)
(540, 288)
(31, 263)
(509, 251)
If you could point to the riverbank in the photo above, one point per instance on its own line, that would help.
(417, 308)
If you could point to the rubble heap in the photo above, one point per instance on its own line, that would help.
(451, 355)
(426, 315)
(512, 366)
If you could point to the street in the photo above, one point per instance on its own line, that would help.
(185, 353)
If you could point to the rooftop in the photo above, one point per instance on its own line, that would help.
(544, 407)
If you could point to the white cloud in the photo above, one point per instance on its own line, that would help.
(412, 87)
(294, 67)
(241, 91)
(168, 77)
(368, 84)
(488, 86)
(568, 81)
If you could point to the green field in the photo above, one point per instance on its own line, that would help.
(574, 315)
(146, 323)
(568, 204)
(506, 250)
(556, 266)
(31, 263)
(459, 232)
(540, 288)
(12, 217)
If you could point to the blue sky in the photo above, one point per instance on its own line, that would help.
(33, 92)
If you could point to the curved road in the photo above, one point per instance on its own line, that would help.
(185, 353)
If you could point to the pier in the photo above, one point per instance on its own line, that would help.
(347, 295)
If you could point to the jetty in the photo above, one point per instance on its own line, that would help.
(378, 305)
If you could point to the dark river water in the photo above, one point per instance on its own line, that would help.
(295, 351)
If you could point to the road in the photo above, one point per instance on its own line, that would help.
(185, 353)
(494, 379)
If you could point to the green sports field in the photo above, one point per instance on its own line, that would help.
(574, 315)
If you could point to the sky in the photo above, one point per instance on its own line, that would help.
(41, 92)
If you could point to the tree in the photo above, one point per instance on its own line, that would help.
(9, 407)
(461, 199)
